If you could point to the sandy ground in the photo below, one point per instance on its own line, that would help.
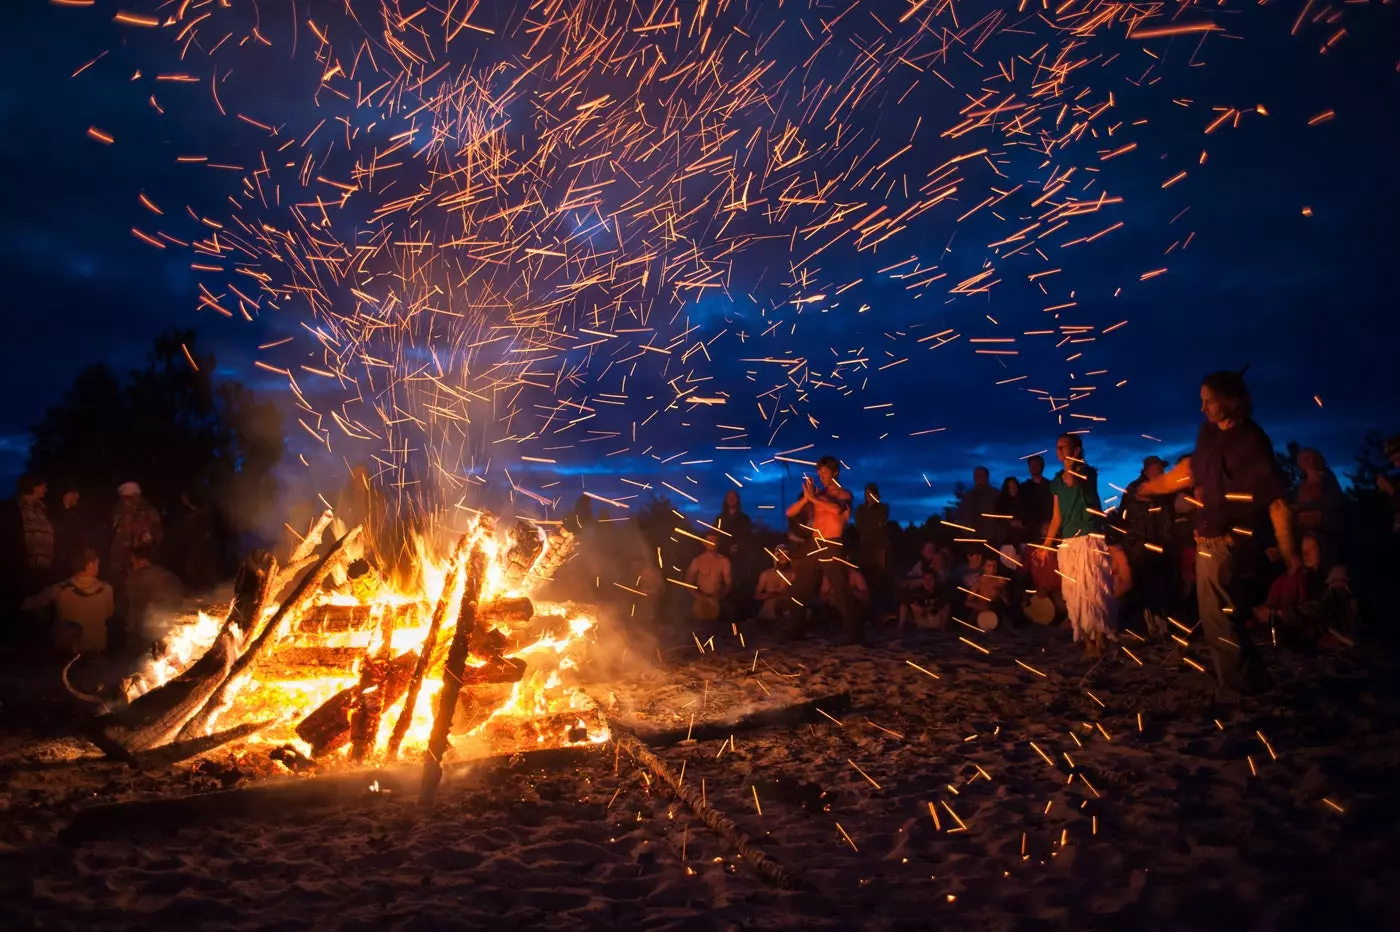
(1056, 808)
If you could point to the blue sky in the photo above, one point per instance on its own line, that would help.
(1306, 301)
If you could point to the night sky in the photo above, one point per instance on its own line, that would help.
(1307, 301)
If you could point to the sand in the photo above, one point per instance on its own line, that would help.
(1206, 816)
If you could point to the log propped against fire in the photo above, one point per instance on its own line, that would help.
(313, 635)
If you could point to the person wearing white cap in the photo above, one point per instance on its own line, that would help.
(134, 522)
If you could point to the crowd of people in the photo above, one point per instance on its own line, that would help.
(1217, 541)
(89, 580)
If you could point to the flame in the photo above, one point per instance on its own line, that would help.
(533, 710)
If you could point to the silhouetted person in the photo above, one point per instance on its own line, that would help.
(1036, 498)
(978, 502)
(74, 530)
(1238, 484)
(873, 545)
(738, 545)
(151, 593)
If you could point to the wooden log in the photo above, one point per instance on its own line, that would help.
(764, 866)
(330, 727)
(309, 663)
(374, 693)
(525, 548)
(308, 544)
(198, 724)
(505, 612)
(157, 716)
(452, 671)
(445, 602)
(561, 546)
(333, 619)
(176, 751)
(789, 716)
(495, 670)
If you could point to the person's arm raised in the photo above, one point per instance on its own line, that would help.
(1168, 483)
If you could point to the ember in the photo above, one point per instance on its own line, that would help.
(326, 659)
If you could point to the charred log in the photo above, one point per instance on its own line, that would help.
(561, 546)
(505, 612)
(525, 547)
(156, 717)
(332, 726)
(452, 671)
(227, 688)
(427, 649)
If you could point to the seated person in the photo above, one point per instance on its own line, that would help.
(152, 593)
(83, 605)
(929, 558)
(1315, 602)
(860, 590)
(774, 586)
(927, 605)
(1122, 574)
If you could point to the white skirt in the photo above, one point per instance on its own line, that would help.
(1087, 584)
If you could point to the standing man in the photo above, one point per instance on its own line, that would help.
(823, 510)
(733, 521)
(1238, 484)
(1036, 497)
(978, 502)
(873, 545)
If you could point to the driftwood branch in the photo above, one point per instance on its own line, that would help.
(764, 866)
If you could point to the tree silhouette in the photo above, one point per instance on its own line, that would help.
(1287, 460)
(170, 427)
(1371, 462)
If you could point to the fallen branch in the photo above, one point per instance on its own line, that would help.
(835, 705)
(764, 866)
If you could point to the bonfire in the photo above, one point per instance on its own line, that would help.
(324, 660)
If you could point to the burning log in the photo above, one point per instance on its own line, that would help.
(426, 651)
(452, 672)
(228, 687)
(331, 727)
(156, 717)
(308, 544)
(505, 612)
(374, 693)
(561, 546)
(526, 545)
(310, 663)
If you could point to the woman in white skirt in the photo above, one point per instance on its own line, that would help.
(1077, 523)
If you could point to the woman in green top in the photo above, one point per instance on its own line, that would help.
(1077, 522)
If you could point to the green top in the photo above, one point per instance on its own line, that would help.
(1076, 500)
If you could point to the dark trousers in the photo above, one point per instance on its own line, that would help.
(809, 570)
(1219, 586)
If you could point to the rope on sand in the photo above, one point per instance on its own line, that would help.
(765, 867)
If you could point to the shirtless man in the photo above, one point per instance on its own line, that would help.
(822, 512)
(710, 574)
